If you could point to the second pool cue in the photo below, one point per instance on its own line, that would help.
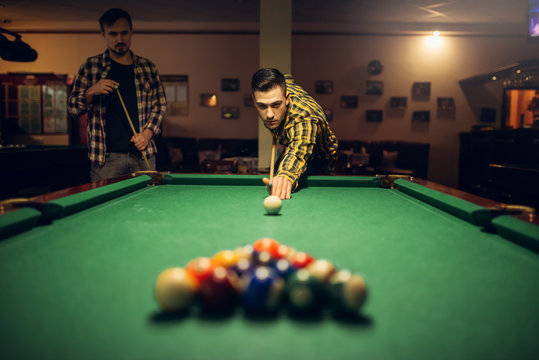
(133, 128)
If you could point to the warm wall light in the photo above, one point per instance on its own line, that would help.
(434, 42)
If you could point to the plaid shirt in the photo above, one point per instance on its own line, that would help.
(151, 100)
(305, 133)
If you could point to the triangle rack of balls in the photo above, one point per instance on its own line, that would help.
(261, 278)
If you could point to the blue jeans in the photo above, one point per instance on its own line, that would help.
(117, 164)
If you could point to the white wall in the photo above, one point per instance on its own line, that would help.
(208, 58)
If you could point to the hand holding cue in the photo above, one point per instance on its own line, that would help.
(133, 128)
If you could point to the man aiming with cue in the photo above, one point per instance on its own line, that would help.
(124, 99)
(297, 122)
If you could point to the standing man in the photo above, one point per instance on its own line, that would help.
(112, 148)
(297, 122)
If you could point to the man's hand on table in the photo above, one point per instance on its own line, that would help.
(280, 187)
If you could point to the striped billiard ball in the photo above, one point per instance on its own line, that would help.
(348, 292)
(304, 293)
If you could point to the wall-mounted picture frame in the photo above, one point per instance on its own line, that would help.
(323, 86)
(230, 84)
(349, 101)
(177, 93)
(423, 116)
(421, 91)
(398, 102)
(230, 112)
(248, 100)
(446, 103)
(329, 114)
(374, 115)
(375, 87)
(208, 100)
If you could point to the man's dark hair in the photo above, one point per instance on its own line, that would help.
(266, 79)
(111, 16)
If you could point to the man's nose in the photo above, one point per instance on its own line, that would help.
(270, 114)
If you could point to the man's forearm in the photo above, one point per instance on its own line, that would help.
(89, 97)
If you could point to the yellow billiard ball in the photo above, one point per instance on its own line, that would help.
(175, 289)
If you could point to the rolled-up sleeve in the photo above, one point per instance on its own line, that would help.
(77, 99)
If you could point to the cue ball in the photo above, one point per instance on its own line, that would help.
(272, 204)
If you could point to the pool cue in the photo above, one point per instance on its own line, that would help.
(133, 128)
(272, 163)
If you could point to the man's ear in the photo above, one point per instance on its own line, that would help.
(287, 96)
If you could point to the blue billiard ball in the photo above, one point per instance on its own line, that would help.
(263, 291)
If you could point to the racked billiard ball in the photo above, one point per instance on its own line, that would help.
(226, 258)
(219, 291)
(263, 291)
(272, 205)
(283, 268)
(262, 258)
(301, 259)
(267, 244)
(200, 268)
(244, 252)
(285, 252)
(304, 293)
(322, 269)
(348, 292)
(175, 289)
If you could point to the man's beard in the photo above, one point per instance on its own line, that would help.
(121, 52)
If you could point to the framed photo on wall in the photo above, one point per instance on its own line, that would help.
(323, 86)
(230, 84)
(421, 91)
(397, 102)
(209, 100)
(423, 116)
(230, 112)
(446, 103)
(177, 93)
(349, 102)
(375, 87)
(374, 115)
(248, 100)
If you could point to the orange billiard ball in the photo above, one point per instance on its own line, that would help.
(200, 268)
(267, 244)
